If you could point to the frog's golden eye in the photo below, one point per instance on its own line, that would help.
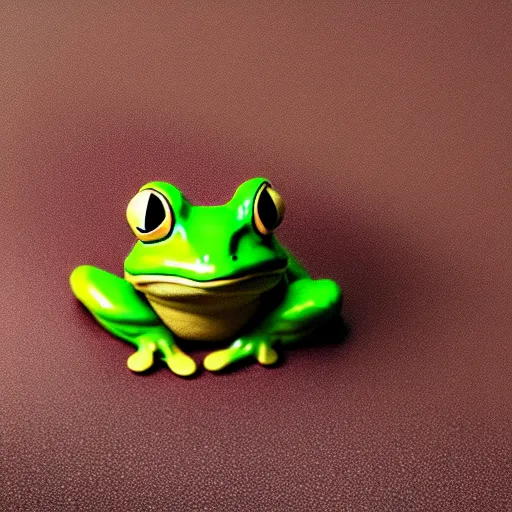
(150, 216)
(268, 209)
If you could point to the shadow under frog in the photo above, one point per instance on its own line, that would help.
(211, 274)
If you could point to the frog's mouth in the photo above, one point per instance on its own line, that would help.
(241, 280)
(143, 280)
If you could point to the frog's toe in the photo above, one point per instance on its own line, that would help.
(140, 361)
(217, 360)
(220, 359)
(266, 355)
(181, 364)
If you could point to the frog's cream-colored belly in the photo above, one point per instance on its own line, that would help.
(215, 313)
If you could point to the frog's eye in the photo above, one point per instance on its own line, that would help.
(150, 216)
(268, 209)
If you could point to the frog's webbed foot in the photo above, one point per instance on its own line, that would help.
(117, 307)
(307, 305)
(257, 346)
(177, 361)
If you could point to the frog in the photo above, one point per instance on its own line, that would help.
(216, 275)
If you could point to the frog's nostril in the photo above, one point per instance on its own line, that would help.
(234, 257)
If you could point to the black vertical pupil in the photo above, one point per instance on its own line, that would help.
(155, 214)
(267, 210)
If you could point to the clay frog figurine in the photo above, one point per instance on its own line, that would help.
(207, 273)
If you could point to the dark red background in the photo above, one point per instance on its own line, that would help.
(386, 126)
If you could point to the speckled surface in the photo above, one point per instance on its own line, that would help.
(387, 131)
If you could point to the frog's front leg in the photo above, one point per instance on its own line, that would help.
(306, 305)
(118, 308)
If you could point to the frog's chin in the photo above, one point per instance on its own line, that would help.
(206, 310)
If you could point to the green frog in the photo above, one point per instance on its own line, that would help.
(215, 274)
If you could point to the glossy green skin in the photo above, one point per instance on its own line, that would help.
(208, 243)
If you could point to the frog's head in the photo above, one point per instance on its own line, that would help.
(205, 247)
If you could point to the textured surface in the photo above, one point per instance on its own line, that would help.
(387, 130)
